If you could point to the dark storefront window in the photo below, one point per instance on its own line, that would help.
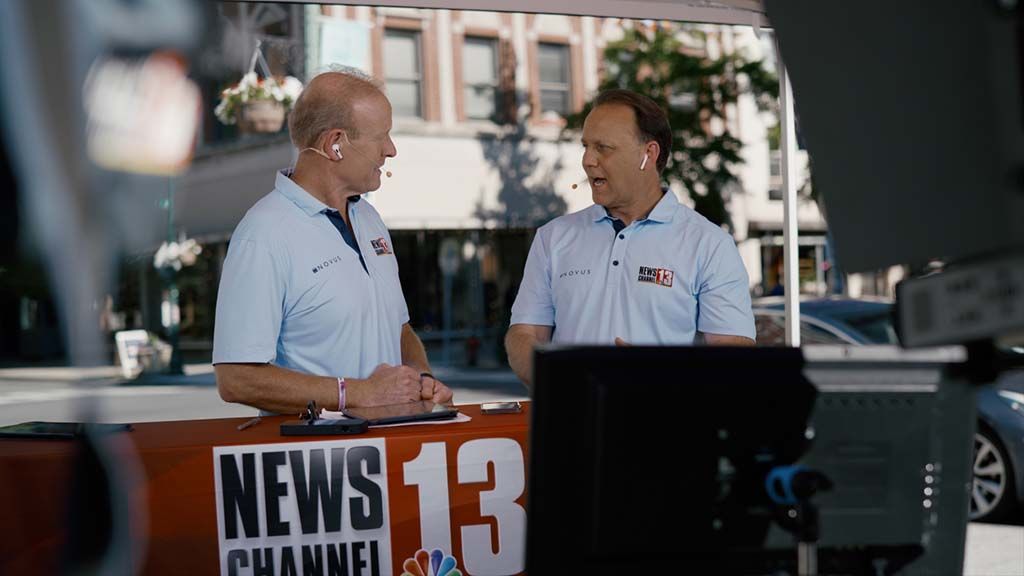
(483, 287)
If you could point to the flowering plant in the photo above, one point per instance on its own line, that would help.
(175, 255)
(251, 88)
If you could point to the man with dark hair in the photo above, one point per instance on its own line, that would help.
(310, 306)
(637, 267)
(651, 122)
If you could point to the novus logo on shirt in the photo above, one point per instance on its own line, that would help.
(380, 246)
(659, 276)
(572, 273)
(326, 263)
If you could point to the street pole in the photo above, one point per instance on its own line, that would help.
(790, 232)
(448, 260)
(173, 316)
(446, 329)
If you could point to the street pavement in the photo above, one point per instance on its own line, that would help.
(55, 393)
(61, 393)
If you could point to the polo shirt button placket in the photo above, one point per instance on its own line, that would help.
(617, 248)
(618, 256)
(617, 265)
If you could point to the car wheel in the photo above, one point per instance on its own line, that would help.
(992, 485)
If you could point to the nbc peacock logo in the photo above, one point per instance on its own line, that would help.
(433, 563)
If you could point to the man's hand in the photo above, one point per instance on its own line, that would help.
(434, 390)
(387, 385)
(621, 343)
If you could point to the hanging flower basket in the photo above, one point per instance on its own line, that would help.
(171, 257)
(258, 104)
(261, 116)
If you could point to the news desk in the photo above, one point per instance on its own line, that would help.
(212, 499)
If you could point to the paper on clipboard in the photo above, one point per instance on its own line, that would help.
(460, 417)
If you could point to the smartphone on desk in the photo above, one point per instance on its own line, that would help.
(512, 407)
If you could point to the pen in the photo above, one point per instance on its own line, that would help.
(252, 422)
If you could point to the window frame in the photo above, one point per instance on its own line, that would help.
(495, 85)
(542, 86)
(419, 79)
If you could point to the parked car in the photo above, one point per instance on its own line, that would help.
(997, 491)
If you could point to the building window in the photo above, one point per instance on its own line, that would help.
(480, 77)
(775, 164)
(775, 174)
(403, 69)
(555, 91)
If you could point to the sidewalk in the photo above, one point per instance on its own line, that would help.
(195, 374)
(202, 375)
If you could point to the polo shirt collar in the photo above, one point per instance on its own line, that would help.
(664, 210)
(298, 195)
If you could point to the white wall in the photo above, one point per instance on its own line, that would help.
(752, 210)
(754, 174)
(440, 182)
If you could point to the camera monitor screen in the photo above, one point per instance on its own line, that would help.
(640, 454)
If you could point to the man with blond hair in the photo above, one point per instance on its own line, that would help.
(310, 306)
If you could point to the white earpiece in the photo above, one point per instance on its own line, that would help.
(337, 151)
(644, 163)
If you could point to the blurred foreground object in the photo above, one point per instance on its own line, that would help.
(142, 114)
(90, 91)
(919, 152)
(918, 142)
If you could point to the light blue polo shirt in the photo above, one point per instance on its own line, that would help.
(657, 281)
(294, 294)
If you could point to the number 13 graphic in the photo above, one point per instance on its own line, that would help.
(429, 473)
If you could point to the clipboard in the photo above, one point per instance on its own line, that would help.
(59, 430)
(399, 413)
(323, 427)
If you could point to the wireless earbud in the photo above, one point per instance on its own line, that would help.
(644, 163)
(337, 152)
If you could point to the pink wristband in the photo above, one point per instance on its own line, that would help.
(341, 393)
